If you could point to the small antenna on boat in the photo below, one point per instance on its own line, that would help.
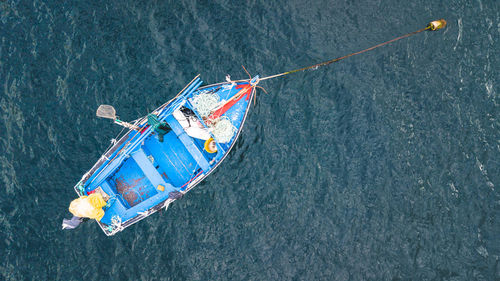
(109, 112)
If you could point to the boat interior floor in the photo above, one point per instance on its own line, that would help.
(171, 164)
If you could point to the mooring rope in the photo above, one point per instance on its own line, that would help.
(434, 25)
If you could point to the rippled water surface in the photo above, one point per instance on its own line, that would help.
(385, 166)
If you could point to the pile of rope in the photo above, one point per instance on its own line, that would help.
(116, 225)
(205, 102)
(222, 129)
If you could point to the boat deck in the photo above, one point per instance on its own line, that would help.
(170, 164)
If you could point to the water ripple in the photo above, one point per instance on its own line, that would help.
(382, 167)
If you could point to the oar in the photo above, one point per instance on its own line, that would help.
(109, 112)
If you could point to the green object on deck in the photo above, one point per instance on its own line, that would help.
(161, 128)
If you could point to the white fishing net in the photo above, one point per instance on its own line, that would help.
(204, 103)
(223, 130)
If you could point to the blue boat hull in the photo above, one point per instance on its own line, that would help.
(144, 172)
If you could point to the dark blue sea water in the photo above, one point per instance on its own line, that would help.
(384, 166)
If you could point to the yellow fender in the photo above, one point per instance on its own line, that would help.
(210, 146)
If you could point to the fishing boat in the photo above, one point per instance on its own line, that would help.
(167, 153)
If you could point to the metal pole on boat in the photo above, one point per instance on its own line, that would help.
(109, 112)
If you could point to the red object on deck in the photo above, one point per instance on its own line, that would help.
(246, 89)
(144, 129)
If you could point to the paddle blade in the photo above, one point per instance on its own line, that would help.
(106, 111)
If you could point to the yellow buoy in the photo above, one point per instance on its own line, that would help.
(210, 146)
(437, 24)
